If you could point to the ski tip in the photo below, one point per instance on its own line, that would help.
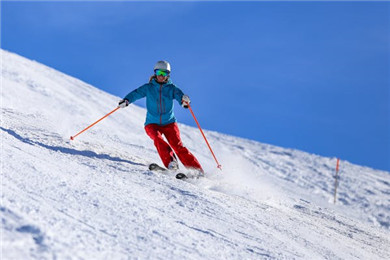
(156, 167)
(71, 138)
(181, 176)
(152, 166)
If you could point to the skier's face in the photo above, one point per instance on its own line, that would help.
(162, 75)
(161, 78)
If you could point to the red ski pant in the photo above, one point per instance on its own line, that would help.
(166, 151)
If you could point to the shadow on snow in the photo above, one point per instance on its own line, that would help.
(65, 150)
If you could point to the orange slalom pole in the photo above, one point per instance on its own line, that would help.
(336, 179)
(215, 158)
(73, 137)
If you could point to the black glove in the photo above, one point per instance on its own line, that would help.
(123, 103)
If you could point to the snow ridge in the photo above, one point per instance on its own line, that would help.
(94, 197)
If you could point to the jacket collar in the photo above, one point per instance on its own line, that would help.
(154, 82)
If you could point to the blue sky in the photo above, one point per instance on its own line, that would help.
(313, 76)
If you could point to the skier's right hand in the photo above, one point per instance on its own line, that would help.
(123, 103)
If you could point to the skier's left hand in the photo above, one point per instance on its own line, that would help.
(185, 101)
(123, 103)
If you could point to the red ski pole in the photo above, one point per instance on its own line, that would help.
(73, 137)
(211, 150)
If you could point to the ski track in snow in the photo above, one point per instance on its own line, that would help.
(93, 198)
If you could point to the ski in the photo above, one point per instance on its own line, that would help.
(181, 176)
(156, 167)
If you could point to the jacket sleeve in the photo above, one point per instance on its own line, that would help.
(137, 93)
(177, 94)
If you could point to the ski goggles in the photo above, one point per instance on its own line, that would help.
(163, 73)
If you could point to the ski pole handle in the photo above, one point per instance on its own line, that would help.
(82, 131)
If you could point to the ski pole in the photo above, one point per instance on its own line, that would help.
(211, 150)
(73, 137)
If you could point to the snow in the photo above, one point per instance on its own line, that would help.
(93, 198)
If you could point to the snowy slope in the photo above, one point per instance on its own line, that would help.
(93, 198)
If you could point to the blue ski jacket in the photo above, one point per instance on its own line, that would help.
(159, 101)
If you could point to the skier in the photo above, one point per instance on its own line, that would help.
(160, 118)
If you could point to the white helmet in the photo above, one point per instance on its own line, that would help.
(162, 65)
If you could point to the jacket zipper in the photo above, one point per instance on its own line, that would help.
(161, 109)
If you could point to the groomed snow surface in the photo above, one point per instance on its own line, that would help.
(94, 198)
